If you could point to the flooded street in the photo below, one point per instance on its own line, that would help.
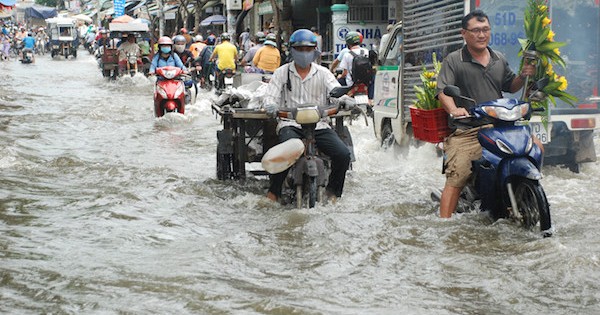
(105, 209)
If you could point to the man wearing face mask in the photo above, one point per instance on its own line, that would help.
(165, 56)
(299, 82)
(185, 55)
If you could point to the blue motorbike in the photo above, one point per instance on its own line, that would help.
(507, 177)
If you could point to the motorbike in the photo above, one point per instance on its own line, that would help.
(169, 91)
(27, 56)
(506, 180)
(309, 171)
(226, 80)
(132, 64)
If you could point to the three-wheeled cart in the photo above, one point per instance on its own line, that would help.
(248, 134)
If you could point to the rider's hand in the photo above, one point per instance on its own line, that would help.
(271, 110)
(459, 112)
(527, 71)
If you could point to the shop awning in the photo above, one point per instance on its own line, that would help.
(40, 12)
(210, 4)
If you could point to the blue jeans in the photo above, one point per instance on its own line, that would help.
(329, 143)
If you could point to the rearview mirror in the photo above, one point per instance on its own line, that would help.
(339, 91)
(452, 91)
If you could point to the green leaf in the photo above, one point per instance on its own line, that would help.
(524, 43)
(542, 36)
(550, 46)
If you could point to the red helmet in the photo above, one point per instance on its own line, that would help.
(165, 40)
(183, 30)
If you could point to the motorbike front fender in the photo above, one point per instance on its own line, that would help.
(521, 167)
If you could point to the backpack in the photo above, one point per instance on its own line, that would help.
(362, 68)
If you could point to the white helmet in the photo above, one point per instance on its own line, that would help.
(198, 38)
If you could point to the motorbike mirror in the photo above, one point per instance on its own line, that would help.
(541, 83)
(339, 91)
(452, 91)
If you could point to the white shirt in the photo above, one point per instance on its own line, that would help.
(314, 88)
(347, 61)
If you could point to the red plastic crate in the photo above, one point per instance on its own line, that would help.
(429, 125)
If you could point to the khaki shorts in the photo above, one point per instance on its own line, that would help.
(460, 148)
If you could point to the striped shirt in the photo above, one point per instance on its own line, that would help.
(313, 89)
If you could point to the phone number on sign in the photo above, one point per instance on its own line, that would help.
(503, 39)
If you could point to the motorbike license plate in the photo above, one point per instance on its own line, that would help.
(228, 80)
(541, 132)
(361, 99)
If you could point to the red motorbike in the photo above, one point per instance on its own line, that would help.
(169, 91)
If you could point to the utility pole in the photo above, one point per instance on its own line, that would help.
(161, 19)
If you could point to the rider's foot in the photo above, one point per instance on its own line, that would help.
(330, 197)
(271, 196)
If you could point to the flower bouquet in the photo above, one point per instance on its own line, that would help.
(429, 119)
(540, 49)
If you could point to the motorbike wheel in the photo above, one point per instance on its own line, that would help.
(306, 193)
(533, 206)
(387, 136)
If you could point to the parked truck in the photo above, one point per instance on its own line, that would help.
(433, 26)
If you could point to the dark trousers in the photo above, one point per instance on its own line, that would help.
(329, 143)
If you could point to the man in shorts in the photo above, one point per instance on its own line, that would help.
(482, 74)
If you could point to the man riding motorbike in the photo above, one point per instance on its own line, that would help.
(181, 51)
(28, 46)
(268, 58)
(165, 56)
(208, 67)
(300, 82)
(129, 47)
(246, 61)
(225, 53)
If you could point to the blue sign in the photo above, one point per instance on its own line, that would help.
(119, 7)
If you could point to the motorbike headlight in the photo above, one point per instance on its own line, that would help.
(503, 147)
(503, 113)
(180, 90)
(170, 74)
(308, 115)
(161, 91)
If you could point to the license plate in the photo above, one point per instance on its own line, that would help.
(541, 132)
(211, 77)
(228, 80)
(361, 99)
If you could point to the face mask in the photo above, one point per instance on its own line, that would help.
(165, 49)
(303, 58)
(179, 48)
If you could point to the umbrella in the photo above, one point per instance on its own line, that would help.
(83, 17)
(216, 19)
(122, 19)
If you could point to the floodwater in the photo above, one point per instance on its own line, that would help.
(105, 209)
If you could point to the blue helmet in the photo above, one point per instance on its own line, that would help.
(303, 37)
(211, 40)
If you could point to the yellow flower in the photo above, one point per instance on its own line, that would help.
(549, 70)
(546, 21)
(550, 36)
(429, 75)
(563, 83)
(431, 84)
(542, 8)
(556, 51)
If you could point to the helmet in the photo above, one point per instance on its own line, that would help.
(198, 38)
(183, 30)
(179, 39)
(353, 38)
(303, 37)
(211, 40)
(103, 32)
(165, 40)
(225, 36)
(271, 37)
(260, 37)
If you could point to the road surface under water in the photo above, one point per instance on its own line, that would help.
(105, 209)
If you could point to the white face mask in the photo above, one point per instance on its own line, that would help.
(179, 48)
